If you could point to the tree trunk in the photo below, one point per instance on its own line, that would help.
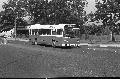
(112, 37)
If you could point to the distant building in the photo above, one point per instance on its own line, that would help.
(22, 31)
(7, 33)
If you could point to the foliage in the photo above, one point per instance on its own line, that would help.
(42, 11)
(13, 9)
(109, 12)
(55, 11)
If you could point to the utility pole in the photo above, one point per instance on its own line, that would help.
(15, 28)
(16, 16)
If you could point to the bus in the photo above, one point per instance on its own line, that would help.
(56, 35)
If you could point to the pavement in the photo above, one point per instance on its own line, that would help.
(26, 40)
(81, 44)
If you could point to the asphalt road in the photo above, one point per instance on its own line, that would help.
(21, 60)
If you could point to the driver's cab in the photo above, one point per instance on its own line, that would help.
(71, 31)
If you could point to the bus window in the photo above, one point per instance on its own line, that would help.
(40, 31)
(54, 32)
(59, 31)
(48, 31)
(69, 33)
(34, 31)
(76, 32)
(44, 31)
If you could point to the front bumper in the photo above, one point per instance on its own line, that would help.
(71, 45)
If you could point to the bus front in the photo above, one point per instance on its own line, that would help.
(71, 36)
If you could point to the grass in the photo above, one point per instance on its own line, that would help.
(76, 62)
(22, 61)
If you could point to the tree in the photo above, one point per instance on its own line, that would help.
(13, 10)
(109, 12)
(44, 11)
(55, 11)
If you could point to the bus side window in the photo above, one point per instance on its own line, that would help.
(44, 31)
(48, 31)
(40, 31)
(59, 31)
(54, 32)
(33, 32)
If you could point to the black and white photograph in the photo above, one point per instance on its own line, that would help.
(59, 38)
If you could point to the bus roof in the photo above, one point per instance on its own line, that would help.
(38, 26)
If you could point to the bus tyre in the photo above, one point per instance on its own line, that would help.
(53, 44)
(34, 43)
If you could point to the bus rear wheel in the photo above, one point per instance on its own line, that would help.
(34, 43)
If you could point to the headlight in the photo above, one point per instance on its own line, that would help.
(66, 40)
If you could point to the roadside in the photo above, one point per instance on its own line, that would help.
(19, 39)
(36, 61)
(83, 42)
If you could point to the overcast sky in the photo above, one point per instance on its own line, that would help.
(91, 5)
(1, 3)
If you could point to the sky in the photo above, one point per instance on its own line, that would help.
(1, 3)
(91, 6)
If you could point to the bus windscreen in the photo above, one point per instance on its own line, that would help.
(71, 32)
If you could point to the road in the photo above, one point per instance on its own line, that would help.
(28, 61)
